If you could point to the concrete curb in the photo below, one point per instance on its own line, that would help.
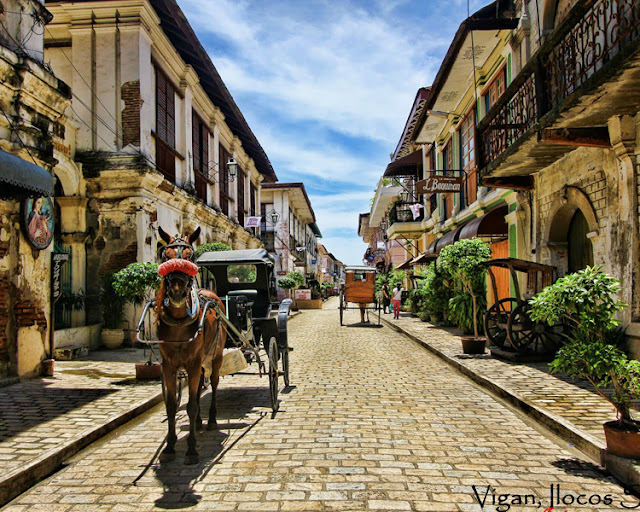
(625, 470)
(19, 480)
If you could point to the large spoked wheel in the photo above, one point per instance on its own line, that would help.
(341, 307)
(273, 373)
(285, 365)
(495, 322)
(529, 337)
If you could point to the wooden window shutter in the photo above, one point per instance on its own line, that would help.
(171, 116)
(161, 105)
(195, 142)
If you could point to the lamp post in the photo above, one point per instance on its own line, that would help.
(404, 196)
(273, 216)
(232, 168)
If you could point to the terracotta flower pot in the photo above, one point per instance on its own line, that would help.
(472, 345)
(47, 368)
(621, 442)
(148, 370)
(112, 338)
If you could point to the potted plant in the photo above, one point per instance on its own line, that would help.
(437, 295)
(587, 302)
(112, 307)
(463, 261)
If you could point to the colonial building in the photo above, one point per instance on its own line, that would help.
(331, 268)
(565, 134)
(159, 138)
(289, 229)
(33, 156)
(381, 253)
(535, 111)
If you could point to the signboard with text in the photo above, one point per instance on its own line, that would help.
(59, 259)
(302, 294)
(252, 222)
(439, 184)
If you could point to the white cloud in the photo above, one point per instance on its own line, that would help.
(345, 67)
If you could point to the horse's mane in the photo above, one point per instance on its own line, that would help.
(160, 296)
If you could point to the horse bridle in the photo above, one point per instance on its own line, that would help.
(179, 245)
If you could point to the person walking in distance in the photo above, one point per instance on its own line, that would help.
(386, 298)
(396, 297)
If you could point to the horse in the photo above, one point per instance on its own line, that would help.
(178, 306)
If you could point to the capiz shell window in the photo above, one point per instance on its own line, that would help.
(242, 273)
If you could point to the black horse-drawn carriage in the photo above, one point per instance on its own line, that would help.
(245, 282)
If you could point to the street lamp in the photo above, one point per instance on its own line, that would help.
(232, 168)
(404, 196)
(273, 216)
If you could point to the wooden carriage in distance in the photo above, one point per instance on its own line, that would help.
(359, 288)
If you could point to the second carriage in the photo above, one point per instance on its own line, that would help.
(359, 288)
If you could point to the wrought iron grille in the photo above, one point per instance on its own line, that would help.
(511, 121)
(606, 28)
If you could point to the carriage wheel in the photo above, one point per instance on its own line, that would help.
(285, 366)
(531, 337)
(273, 373)
(495, 321)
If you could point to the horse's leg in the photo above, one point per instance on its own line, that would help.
(200, 385)
(215, 379)
(170, 401)
(194, 373)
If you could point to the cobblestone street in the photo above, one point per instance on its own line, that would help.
(374, 422)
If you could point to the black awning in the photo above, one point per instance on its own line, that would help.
(406, 166)
(449, 238)
(490, 225)
(21, 178)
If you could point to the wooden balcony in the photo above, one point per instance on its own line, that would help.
(587, 70)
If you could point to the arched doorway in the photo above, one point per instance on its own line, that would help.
(571, 229)
(579, 246)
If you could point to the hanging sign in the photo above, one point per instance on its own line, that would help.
(380, 245)
(439, 184)
(58, 259)
(252, 222)
(37, 221)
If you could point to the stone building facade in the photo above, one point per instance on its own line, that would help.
(34, 106)
(156, 132)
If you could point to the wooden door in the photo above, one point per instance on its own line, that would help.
(499, 250)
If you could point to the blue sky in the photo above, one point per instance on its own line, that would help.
(326, 86)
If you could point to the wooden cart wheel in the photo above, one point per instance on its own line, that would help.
(273, 374)
(529, 337)
(285, 365)
(495, 321)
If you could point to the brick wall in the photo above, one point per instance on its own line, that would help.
(5, 285)
(28, 314)
(131, 113)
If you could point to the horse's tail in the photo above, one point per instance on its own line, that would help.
(160, 295)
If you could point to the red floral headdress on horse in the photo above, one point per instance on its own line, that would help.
(178, 265)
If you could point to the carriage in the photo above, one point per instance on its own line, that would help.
(255, 323)
(507, 323)
(359, 288)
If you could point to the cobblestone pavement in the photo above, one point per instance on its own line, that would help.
(39, 416)
(572, 400)
(374, 423)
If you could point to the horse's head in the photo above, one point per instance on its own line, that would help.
(179, 280)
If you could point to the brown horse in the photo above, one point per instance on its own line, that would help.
(178, 308)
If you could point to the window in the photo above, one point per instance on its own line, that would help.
(200, 151)
(241, 210)
(447, 165)
(242, 273)
(223, 179)
(468, 157)
(253, 197)
(165, 126)
(495, 89)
